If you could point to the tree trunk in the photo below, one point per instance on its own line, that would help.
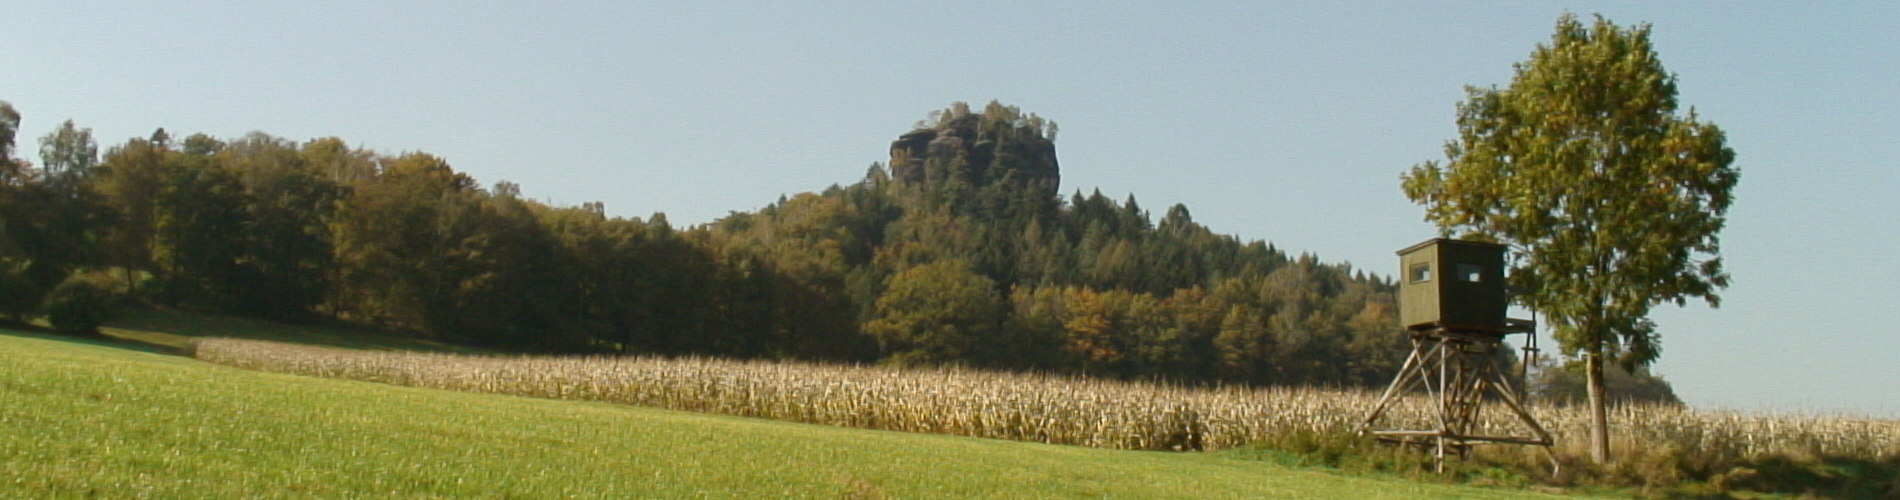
(131, 282)
(1599, 413)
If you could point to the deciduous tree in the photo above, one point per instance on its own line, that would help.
(1611, 200)
(936, 312)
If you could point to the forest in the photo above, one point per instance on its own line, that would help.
(957, 250)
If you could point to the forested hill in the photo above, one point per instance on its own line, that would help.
(959, 249)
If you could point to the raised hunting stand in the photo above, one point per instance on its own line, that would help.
(1452, 302)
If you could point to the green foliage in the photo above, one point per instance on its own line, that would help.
(132, 175)
(68, 155)
(960, 252)
(1563, 383)
(49, 217)
(286, 241)
(79, 305)
(200, 224)
(935, 313)
(1611, 200)
(49, 232)
(1092, 285)
(11, 171)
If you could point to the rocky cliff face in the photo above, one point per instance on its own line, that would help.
(998, 148)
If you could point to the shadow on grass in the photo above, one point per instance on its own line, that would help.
(1824, 477)
(167, 331)
(40, 332)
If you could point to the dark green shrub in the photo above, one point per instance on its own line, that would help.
(19, 296)
(79, 306)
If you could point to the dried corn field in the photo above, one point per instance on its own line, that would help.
(1025, 407)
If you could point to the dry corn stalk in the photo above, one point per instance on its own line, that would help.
(1026, 407)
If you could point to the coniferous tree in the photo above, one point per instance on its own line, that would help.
(959, 252)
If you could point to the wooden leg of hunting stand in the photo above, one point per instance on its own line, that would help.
(1512, 403)
(1399, 384)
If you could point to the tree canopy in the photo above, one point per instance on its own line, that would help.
(1612, 200)
(958, 250)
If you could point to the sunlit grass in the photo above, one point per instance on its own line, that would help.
(80, 419)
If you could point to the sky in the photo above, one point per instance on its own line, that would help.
(1281, 121)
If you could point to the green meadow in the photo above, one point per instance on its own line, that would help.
(115, 419)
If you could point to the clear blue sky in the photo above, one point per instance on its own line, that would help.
(1288, 122)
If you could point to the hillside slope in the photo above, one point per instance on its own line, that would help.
(959, 250)
(85, 419)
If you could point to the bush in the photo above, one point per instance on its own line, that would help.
(79, 306)
(19, 296)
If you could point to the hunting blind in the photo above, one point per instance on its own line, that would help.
(1452, 283)
(1452, 303)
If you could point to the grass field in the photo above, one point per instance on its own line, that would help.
(95, 419)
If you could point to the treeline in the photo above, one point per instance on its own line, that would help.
(958, 250)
